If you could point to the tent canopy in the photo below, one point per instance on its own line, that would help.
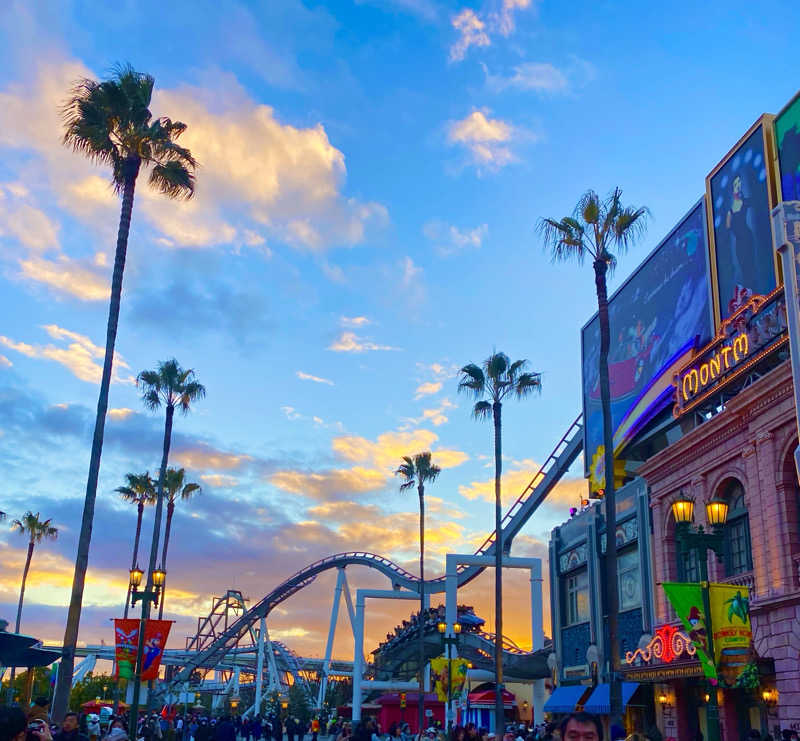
(20, 650)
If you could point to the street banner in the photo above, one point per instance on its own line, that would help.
(733, 635)
(687, 599)
(446, 670)
(126, 641)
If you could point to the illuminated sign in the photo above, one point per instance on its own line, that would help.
(755, 329)
(663, 674)
(666, 645)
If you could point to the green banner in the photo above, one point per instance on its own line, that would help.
(687, 599)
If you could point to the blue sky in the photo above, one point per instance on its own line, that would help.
(371, 172)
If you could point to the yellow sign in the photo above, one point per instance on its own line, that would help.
(733, 635)
(452, 671)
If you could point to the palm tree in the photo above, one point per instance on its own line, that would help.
(140, 491)
(171, 386)
(175, 489)
(490, 385)
(110, 123)
(35, 530)
(417, 471)
(594, 227)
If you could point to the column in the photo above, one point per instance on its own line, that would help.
(754, 497)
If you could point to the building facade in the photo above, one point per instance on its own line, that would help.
(744, 454)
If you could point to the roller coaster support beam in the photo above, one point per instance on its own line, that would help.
(358, 637)
(534, 565)
(337, 596)
(260, 663)
(274, 681)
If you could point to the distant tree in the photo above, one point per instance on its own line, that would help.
(594, 228)
(299, 706)
(175, 489)
(141, 491)
(110, 123)
(418, 471)
(35, 530)
(490, 383)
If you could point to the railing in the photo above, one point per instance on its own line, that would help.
(746, 579)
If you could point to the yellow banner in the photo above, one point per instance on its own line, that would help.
(733, 635)
(452, 672)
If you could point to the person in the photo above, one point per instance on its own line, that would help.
(117, 731)
(39, 710)
(581, 726)
(203, 732)
(14, 725)
(69, 729)
(224, 730)
(291, 729)
(93, 726)
(314, 729)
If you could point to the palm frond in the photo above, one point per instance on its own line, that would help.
(564, 239)
(528, 383)
(495, 367)
(482, 410)
(172, 179)
(589, 209)
(426, 469)
(472, 381)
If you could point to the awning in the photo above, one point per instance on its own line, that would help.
(21, 650)
(565, 697)
(600, 701)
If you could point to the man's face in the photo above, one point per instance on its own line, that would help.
(70, 723)
(576, 731)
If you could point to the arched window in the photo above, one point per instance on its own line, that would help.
(737, 555)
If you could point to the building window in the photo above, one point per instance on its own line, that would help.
(688, 566)
(576, 597)
(738, 555)
(629, 582)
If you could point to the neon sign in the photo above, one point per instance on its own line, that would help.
(667, 644)
(726, 357)
(756, 329)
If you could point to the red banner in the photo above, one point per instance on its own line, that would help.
(126, 642)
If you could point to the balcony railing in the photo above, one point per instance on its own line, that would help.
(745, 579)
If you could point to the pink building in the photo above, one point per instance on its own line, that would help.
(744, 454)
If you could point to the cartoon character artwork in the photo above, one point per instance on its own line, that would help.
(126, 640)
(698, 632)
(155, 638)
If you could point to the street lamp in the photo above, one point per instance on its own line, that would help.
(157, 580)
(447, 643)
(701, 542)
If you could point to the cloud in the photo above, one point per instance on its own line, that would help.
(472, 32)
(389, 447)
(316, 379)
(476, 29)
(449, 239)
(219, 479)
(80, 356)
(121, 413)
(437, 416)
(31, 226)
(330, 484)
(5, 362)
(424, 9)
(77, 278)
(486, 139)
(427, 388)
(351, 342)
(544, 77)
(257, 172)
(354, 321)
(200, 456)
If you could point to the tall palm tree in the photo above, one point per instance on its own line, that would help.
(175, 489)
(36, 531)
(170, 386)
(594, 228)
(417, 471)
(490, 384)
(140, 490)
(110, 123)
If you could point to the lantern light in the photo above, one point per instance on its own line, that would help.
(136, 577)
(662, 698)
(456, 628)
(442, 627)
(683, 509)
(159, 575)
(716, 512)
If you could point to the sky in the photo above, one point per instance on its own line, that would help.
(371, 173)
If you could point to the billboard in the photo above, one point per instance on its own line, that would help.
(657, 317)
(738, 191)
(787, 140)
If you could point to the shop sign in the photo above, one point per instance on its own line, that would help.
(666, 645)
(756, 328)
(730, 622)
(663, 673)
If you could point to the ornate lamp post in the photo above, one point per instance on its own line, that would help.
(701, 542)
(447, 643)
(149, 594)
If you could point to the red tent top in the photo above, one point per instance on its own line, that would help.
(393, 698)
(486, 697)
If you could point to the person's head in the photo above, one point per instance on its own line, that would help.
(117, 723)
(70, 722)
(13, 724)
(581, 727)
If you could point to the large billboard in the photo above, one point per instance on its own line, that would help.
(787, 140)
(738, 190)
(657, 318)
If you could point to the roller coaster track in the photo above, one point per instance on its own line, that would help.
(555, 466)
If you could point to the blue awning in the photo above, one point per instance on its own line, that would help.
(565, 697)
(600, 701)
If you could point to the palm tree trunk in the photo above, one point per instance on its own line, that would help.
(421, 693)
(64, 684)
(170, 512)
(499, 715)
(19, 609)
(612, 597)
(140, 513)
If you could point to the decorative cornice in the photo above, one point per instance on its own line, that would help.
(748, 450)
